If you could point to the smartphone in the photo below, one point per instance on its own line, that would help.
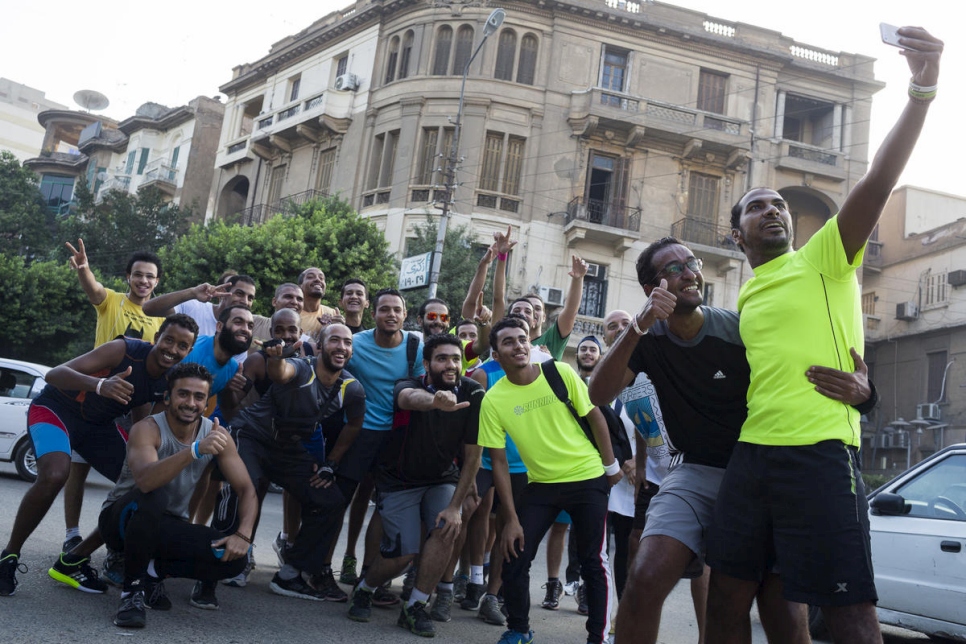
(890, 34)
(219, 552)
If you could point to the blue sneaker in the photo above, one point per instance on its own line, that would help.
(516, 637)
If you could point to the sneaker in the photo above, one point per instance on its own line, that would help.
(155, 595)
(459, 586)
(203, 595)
(9, 567)
(516, 637)
(280, 546)
(77, 575)
(113, 570)
(442, 606)
(570, 588)
(360, 607)
(325, 584)
(408, 582)
(582, 600)
(348, 573)
(70, 544)
(130, 612)
(490, 611)
(474, 593)
(241, 579)
(416, 620)
(383, 597)
(295, 587)
(552, 600)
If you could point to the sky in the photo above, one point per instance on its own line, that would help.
(175, 51)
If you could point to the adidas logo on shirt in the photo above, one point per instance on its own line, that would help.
(719, 375)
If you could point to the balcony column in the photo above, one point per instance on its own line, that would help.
(408, 135)
(837, 127)
(847, 113)
(780, 115)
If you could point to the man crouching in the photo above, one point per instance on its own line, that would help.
(146, 514)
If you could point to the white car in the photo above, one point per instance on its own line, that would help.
(918, 530)
(20, 383)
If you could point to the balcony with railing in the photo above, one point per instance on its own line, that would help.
(713, 243)
(120, 182)
(605, 222)
(306, 120)
(813, 159)
(162, 175)
(261, 213)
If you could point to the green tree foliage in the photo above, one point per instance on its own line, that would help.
(461, 255)
(325, 233)
(123, 224)
(26, 228)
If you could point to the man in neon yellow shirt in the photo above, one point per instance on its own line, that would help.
(565, 472)
(792, 494)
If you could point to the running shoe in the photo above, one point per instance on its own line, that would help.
(490, 611)
(582, 607)
(9, 567)
(70, 544)
(554, 589)
(155, 595)
(570, 588)
(516, 637)
(348, 573)
(474, 593)
(203, 595)
(383, 597)
(459, 586)
(280, 546)
(325, 584)
(295, 587)
(130, 613)
(113, 571)
(442, 606)
(416, 620)
(241, 579)
(360, 607)
(77, 574)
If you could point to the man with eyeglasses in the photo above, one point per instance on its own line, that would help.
(695, 358)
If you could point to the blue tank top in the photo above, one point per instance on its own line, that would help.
(495, 372)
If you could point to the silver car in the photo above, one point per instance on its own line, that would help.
(918, 530)
(20, 383)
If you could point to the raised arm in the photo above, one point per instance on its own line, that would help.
(163, 305)
(567, 317)
(861, 210)
(95, 291)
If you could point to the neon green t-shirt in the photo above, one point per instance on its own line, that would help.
(801, 309)
(551, 443)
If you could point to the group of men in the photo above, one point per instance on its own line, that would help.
(733, 426)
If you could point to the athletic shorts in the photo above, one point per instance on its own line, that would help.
(643, 501)
(405, 512)
(362, 456)
(53, 429)
(803, 508)
(484, 481)
(683, 509)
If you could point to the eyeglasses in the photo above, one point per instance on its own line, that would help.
(676, 268)
(433, 315)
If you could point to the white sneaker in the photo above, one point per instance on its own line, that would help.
(570, 588)
(241, 580)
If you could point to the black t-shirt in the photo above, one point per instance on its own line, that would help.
(423, 446)
(702, 385)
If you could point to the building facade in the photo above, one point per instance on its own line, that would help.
(590, 127)
(20, 133)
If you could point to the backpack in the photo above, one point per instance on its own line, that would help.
(412, 347)
(615, 426)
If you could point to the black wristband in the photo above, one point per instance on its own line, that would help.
(870, 404)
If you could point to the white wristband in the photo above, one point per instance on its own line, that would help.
(637, 329)
(97, 390)
(612, 469)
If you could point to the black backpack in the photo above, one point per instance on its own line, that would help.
(615, 426)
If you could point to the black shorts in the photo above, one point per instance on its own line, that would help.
(642, 503)
(801, 509)
(484, 481)
(363, 456)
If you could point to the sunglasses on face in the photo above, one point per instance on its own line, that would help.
(432, 316)
(676, 268)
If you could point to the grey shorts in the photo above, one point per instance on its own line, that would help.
(405, 512)
(684, 507)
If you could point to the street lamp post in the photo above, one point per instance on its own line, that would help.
(493, 23)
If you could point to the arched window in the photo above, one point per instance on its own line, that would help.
(528, 60)
(444, 41)
(407, 50)
(392, 59)
(505, 54)
(464, 49)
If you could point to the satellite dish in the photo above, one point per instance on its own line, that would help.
(90, 99)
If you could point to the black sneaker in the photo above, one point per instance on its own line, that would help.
(203, 595)
(474, 593)
(79, 575)
(383, 597)
(70, 544)
(130, 612)
(295, 587)
(325, 584)
(582, 607)
(554, 590)
(360, 607)
(409, 581)
(416, 620)
(9, 567)
(155, 596)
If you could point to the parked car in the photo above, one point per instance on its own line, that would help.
(20, 382)
(918, 530)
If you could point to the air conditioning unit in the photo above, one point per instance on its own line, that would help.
(888, 441)
(908, 311)
(594, 270)
(552, 296)
(929, 411)
(956, 278)
(347, 83)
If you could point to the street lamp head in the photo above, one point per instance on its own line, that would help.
(493, 22)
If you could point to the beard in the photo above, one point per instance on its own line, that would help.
(436, 378)
(232, 346)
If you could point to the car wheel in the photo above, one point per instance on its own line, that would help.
(25, 461)
(816, 623)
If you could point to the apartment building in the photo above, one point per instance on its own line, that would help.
(19, 106)
(591, 127)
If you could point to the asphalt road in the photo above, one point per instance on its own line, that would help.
(44, 611)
